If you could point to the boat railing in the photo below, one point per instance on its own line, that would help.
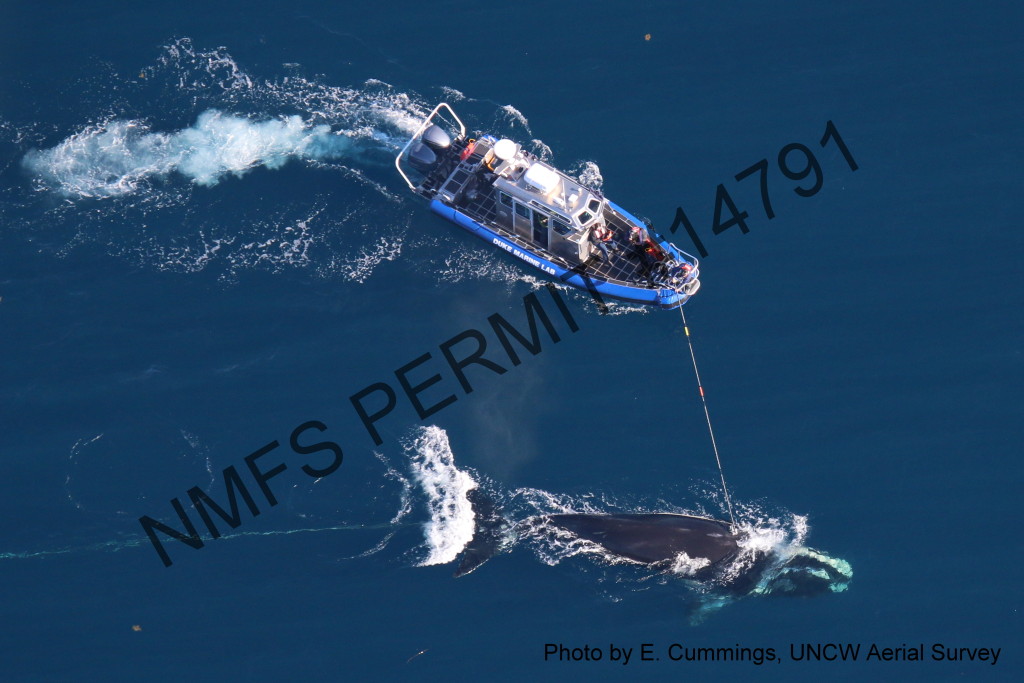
(419, 131)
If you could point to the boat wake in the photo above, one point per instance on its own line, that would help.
(139, 182)
(120, 157)
(138, 178)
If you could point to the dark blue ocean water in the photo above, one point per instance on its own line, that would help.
(176, 292)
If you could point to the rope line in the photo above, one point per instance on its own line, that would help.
(707, 416)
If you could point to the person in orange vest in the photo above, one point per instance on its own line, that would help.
(601, 236)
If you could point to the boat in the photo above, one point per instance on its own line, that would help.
(507, 196)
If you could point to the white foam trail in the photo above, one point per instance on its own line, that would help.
(369, 257)
(120, 156)
(148, 176)
(374, 111)
(451, 522)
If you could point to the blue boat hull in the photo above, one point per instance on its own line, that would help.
(662, 298)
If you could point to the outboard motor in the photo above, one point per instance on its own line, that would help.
(421, 157)
(435, 138)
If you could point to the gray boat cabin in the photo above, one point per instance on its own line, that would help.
(544, 206)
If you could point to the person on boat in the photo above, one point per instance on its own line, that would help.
(641, 243)
(648, 249)
(638, 236)
(601, 236)
(647, 252)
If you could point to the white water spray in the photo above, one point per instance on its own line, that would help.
(120, 156)
(452, 520)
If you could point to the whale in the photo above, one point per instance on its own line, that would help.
(652, 538)
(704, 550)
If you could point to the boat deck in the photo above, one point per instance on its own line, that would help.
(627, 263)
